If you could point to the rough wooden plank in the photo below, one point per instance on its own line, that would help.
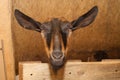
(21, 68)
(0, 44)
(2, 67)
(75, 61)
(6, 36)
(71, 71)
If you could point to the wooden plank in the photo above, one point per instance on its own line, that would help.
(2, 67)
(75, 61)
(6, 36)
(0, 44)
(71, 71)
(21, 67)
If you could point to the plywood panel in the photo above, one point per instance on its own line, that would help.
(71, 71)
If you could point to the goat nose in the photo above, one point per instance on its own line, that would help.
(57, 54)
(57, 58)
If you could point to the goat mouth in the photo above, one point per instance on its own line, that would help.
(57, 63)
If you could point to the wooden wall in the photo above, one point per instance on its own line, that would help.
(73, 70)
(103, 34)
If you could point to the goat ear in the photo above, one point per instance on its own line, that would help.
(27, 22)
(85, 19)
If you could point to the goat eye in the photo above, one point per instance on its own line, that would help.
(69, 26)
(44, 28)
(66, 27)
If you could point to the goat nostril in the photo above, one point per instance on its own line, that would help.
(57, 55)
(57, 60)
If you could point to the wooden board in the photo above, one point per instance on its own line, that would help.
(6, 36)
(0, 44)
(2, 65)
(71, 71)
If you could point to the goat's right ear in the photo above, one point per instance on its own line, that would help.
(27, 22)
(85, 19)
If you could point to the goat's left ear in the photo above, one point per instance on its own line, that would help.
(26, 21)
(85, 19)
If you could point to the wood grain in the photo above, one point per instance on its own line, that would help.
(71, 71)
(2, 64)
(6, 36)
(0, 44)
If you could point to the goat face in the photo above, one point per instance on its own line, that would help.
(56, 32)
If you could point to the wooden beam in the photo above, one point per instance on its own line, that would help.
(0, 44)
(2, 67)
(71, 71)
(6, 36)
